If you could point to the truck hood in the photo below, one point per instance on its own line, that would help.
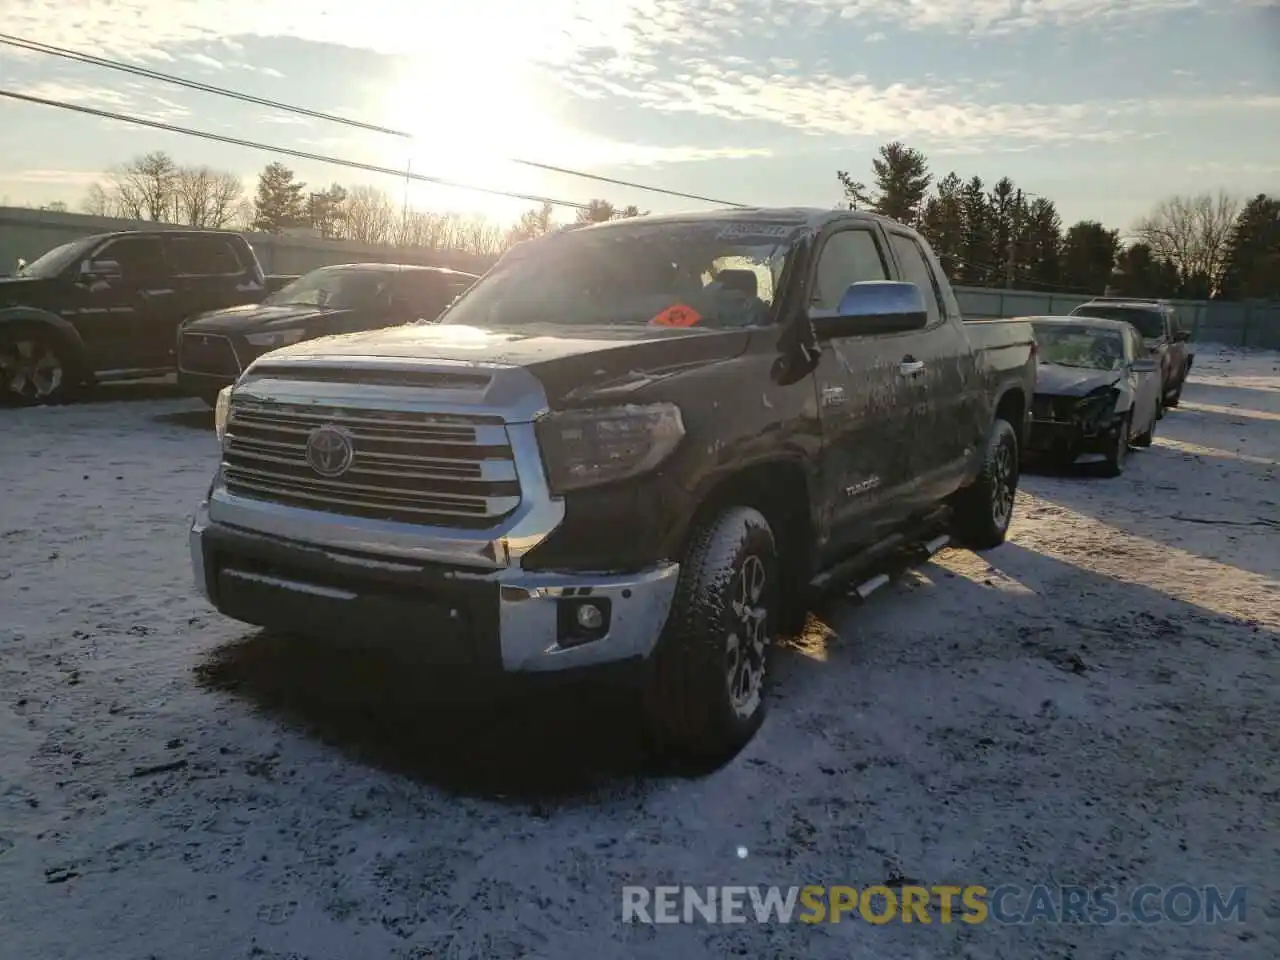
(573, 363)
(14, 289)
(256, 316)
(1058, 381)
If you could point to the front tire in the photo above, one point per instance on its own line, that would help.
(1144, 439)
(1119, 452)
(705, 695)
(34, 367)
(984, 509)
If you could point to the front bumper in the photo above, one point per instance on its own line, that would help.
(502, 621)
(1067, 440)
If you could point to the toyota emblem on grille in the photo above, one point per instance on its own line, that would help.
(329, 451)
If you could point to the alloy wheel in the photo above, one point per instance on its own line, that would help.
(748, 637)
(30, 370)
(1003, 485)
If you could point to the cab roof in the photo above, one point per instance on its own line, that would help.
(813, 218)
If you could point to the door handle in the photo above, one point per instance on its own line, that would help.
(910, 367)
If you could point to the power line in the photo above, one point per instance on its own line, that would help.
(287, 151)
(36, 46)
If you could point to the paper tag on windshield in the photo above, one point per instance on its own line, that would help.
(748, 229)
(677, 316)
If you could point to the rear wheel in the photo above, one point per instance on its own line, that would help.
(705, 691)
(34, 367)
(984, 509)
(1175, 396)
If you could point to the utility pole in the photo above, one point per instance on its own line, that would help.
(1013, 241)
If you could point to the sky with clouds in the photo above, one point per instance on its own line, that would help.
(1101, 105)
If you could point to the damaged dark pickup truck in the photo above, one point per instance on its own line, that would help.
(641, 443)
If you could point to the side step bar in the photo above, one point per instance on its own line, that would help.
(847, 571)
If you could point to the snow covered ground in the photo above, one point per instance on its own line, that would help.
(1094, 703)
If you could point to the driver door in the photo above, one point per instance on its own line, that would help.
(863, 401)
(128, 312)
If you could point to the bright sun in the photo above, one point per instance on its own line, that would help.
(470, 106)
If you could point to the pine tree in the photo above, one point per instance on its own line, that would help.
(1139, 273)
(942, 223)
(976, 268)
(1039, 248)
(1252, 267)
(597, 211)
(902, 180)
(1089, 253)
(280, 202)
(325, 211)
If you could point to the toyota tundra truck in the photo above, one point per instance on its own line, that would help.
(645, 443)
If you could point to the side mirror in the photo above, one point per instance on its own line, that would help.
(21, 263)
(100, 270)
(1181, 336)
(871, 307)
(1144, 365)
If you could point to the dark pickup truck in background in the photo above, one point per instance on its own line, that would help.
(107, 307)
(644, 443)
(1162, 334)
(215, 347)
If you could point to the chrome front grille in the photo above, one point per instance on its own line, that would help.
(425, 468)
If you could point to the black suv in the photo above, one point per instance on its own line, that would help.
(108, 306)
(214, 347)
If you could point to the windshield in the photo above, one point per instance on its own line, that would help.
(1150, 323)
(58, 259)
(1090, 347)
(336, 289)
(709, 274)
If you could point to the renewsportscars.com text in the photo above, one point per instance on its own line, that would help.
(941, 904)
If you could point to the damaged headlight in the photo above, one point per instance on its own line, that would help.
(1097, 406)
(585, 448)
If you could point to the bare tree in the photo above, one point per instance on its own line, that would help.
(144, 187)
(204, 197)
(98, 202)
(243, 216)
(414, 229)
(153, 187)
(369, 215)
(480, 236)
(1193, 233)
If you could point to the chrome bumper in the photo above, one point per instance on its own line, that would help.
(529, 621)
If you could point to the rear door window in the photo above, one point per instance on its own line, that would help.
(204, 257)
(916, 270)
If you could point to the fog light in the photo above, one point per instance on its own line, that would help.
(582, 620)
(590, 617)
